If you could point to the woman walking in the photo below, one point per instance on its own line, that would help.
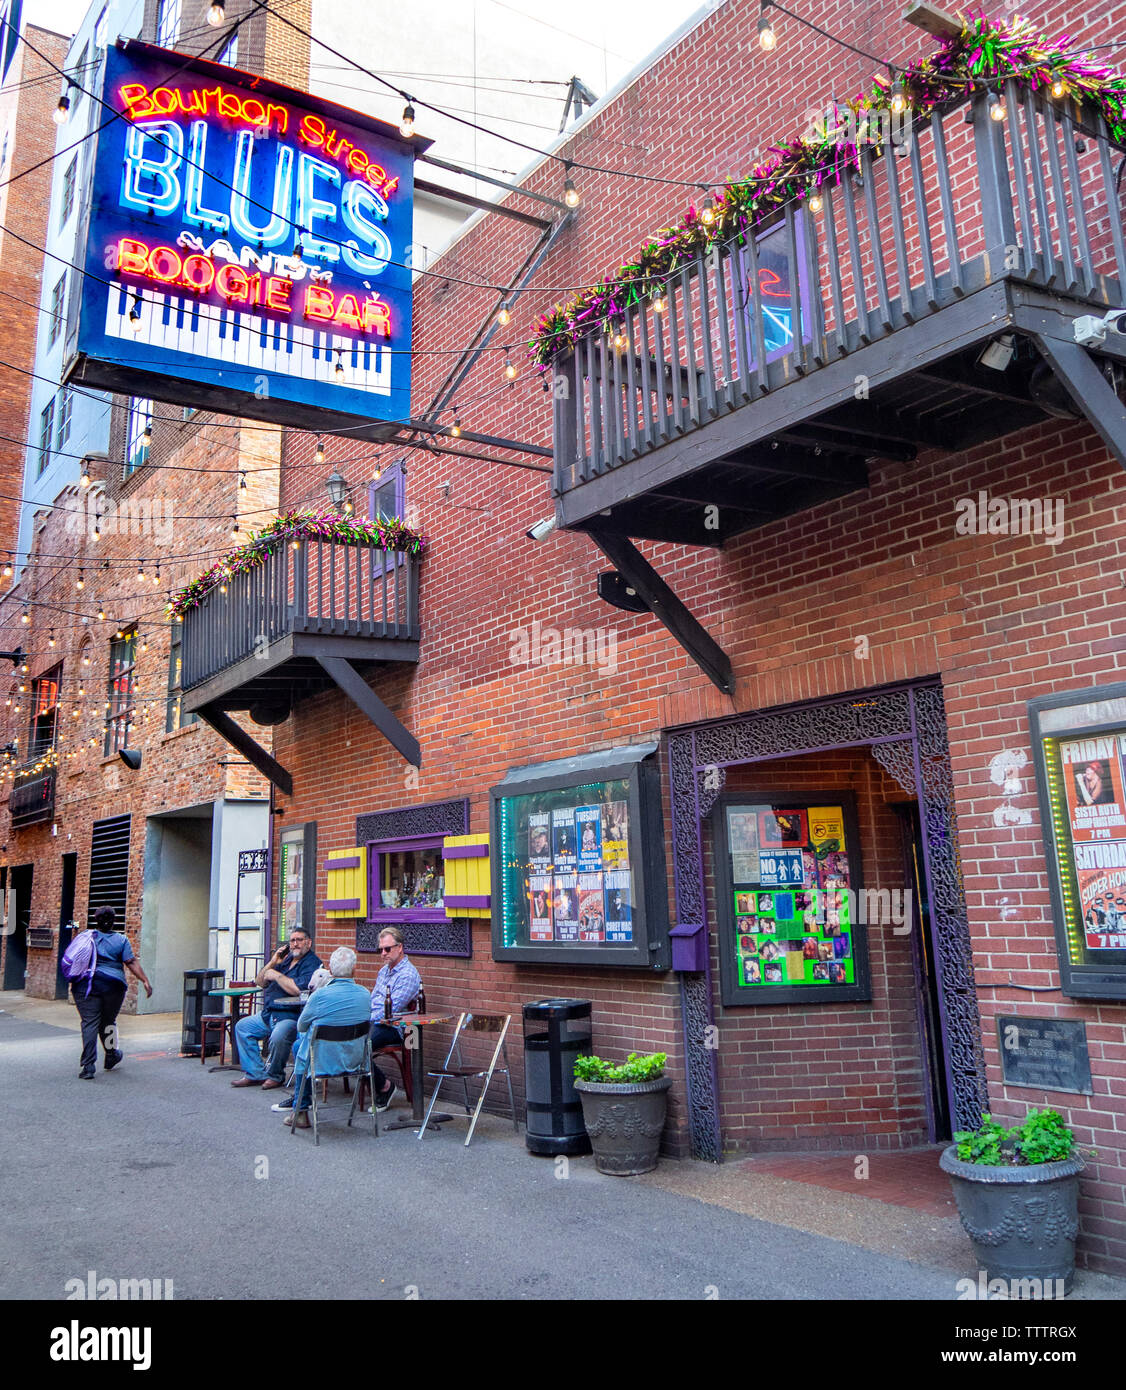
(98, 1009)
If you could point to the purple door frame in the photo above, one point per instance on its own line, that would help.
(904, 726)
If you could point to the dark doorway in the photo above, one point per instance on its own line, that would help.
(927, 1004)
(66, 919)
(19, 915)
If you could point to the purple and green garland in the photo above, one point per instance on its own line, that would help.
(984, 49)
(383, 534)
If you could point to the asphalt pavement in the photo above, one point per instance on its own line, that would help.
(162, 1170)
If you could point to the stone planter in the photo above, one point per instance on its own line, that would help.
(624, 1122)
(1022, 1220)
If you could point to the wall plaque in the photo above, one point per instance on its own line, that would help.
(1049, 1054)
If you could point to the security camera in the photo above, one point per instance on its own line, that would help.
(542, 529)
(1090, 331)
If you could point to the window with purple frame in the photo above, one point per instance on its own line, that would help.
(408, 881)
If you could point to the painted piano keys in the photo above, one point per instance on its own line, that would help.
(250, 341)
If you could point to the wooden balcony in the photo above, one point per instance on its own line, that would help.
(32, 798)
(311, 616)
(778, 369)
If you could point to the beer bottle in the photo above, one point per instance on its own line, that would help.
(421, 1004)
(387, 1005)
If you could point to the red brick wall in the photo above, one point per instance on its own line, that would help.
(999, 618)
(27, 99)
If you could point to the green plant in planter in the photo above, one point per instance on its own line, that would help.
(1042, 1138)
(633, 1070)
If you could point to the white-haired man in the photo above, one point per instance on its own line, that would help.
(339, 1002)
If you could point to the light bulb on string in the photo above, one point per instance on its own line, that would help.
(84, 481)
(216, 14)
(767, 39)
(659, 303)
(8, 569)
(234, 528)
(996, 107)
(25, 617)
(509, 367)
(504, 315)
(51, 638)
(571, 195)
(707, 211)
(815, 202)
(898, 97)
(135, 314)
(140, 572)
(1059, 88)
(80, 582)
(455, 428)
(319, 455)
(62, 110)
(406, 123)
(241, 479)
(339, 364)
(146, 434)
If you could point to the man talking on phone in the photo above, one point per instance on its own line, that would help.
(285, 975)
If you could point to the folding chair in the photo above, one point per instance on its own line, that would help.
(339, 1033)
(469, 1026)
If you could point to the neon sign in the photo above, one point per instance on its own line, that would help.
(241, 235)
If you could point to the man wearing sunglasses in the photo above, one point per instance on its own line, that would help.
(400, 980)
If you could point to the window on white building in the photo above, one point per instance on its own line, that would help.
(138, 434)
(168, 23)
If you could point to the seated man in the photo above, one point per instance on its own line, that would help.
(400, 979)
(285, 975)
(341, 1001)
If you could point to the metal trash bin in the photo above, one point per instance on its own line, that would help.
(197, 986)
(556, 1031)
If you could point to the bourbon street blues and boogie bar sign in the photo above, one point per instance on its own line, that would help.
(246, 248)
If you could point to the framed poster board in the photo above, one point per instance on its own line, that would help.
(1079, 749)
(297, 880)
(578, 862)
(789, 905)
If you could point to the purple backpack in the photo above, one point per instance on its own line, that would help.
(80, 959)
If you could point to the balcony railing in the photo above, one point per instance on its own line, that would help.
(969, 201)
(320, 588)
(32, 798)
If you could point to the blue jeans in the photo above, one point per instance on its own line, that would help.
(249, 1035)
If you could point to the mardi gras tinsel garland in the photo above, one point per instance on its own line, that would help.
(984, 48)
(390, 534)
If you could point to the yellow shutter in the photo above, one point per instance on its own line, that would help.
(466, 859)
(346, 893)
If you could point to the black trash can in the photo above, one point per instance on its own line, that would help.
(197, 985)
(556, 1031)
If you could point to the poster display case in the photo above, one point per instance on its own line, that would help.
(789, 900)
(297, 880)
(578, 862)
(1079, 748)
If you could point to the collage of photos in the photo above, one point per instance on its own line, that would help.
(791, 875)
(1094, 788)
(579, 885)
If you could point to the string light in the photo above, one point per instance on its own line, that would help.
(140, 571)
(898, 98)
(571, 195)
(659, 304)
(62, 110)
(242, 479)
(505, 314)
(135, 313)
(340, 363)
(101, 614)
(509, 367)
(298, 252)
(1059, 88)
(996, 107)
(216, 14)
(85, 479)
(8, 569)
(767, 39)
(25, 617)
(146, 434)
(319, 456)
(815, 203)
(455, 428)
(80, 582)
(51, 638)
(707, 211)
(406, 125)
(234, 528)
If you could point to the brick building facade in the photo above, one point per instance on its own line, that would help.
(29, 93)
(864, 594)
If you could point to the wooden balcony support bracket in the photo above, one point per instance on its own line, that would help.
(345, 675)
(1089, 389)
(251, 750)
(640, 575)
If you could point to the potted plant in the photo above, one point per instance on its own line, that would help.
(624, 1110)
(1017, 1191)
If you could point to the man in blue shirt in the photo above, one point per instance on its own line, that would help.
(284, 976)
(339, 1002)
(99, 1002)
(399, 979)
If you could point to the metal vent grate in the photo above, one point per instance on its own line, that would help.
(109, 868)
